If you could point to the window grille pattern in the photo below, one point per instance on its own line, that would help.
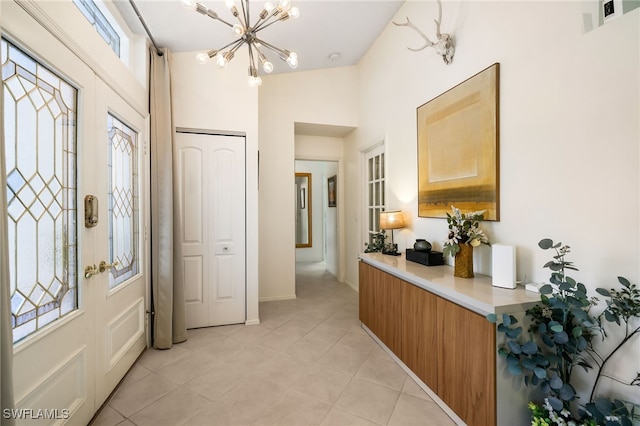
(96, 18)
(375, 191)
(123, 201)
(40, 148)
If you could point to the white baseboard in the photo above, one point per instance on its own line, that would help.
(252, 322)
(354, 287)
(275, 298)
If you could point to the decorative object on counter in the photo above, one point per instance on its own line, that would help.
(377, 244)
(422, 245)
(392, 219)
(562, 335)
(458, 148)
(443, 46)
(464, 235)
(427, 258)
(503, 266)
(463, 266)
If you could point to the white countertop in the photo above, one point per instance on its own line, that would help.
(476, 294)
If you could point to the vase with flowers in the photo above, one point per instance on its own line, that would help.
(464, 235)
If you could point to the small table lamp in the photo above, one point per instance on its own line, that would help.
(392, 219)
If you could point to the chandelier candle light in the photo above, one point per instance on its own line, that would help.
(248, 34)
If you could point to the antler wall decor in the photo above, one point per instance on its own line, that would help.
(443, 46)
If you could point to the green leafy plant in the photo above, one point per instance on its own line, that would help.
(561, 337)
(464, 228)
(378, 243)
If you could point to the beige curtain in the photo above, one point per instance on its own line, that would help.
(169, 324)
(6, 332)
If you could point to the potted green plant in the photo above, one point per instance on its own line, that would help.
(378, 243)
(561, 337)
(464, 235)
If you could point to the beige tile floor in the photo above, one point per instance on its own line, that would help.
(308, 363)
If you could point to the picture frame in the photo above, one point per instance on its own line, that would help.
(458, 148)
(332, 191)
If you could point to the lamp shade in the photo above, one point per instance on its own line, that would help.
(391, 219)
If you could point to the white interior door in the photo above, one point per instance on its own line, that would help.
(211, 223)
(73, 335)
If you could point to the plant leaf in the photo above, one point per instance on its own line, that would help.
(625, 282)
(555, 403)
(557, 328)
(546, 289)
(604, 406)
(561, 338)
(506, 320)
(515, 347)
(545, 243)
(603, 292)
(567, 393)
(515, 369)
(582, 343)
(530, 348)
(529, 364)
(540, 373)
(556, 382)
(514, 332)
(492, 318)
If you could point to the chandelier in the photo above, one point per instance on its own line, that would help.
(248, 34)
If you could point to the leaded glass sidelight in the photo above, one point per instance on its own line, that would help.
(40, 148)
(123, 201)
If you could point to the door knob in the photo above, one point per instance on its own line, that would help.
(90, 271)
(104, 265)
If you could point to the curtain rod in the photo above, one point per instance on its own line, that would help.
(144, 24)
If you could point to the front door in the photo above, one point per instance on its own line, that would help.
(76, 330)
(211, 227)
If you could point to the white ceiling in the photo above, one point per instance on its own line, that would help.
(347, 27)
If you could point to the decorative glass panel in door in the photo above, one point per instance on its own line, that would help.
(375, 190)
(123, 202)
(40, 144)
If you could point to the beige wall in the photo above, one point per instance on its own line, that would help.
(325, 97)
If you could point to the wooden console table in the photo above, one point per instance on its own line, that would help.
(434, 325)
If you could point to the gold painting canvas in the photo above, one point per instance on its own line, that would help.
(458, 149)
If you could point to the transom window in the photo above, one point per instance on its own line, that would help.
(40, 147)
(97, 18)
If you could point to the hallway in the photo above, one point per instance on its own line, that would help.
(308, 363)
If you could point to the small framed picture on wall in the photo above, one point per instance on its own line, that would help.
(332, 190)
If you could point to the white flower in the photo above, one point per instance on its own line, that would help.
(475, 242)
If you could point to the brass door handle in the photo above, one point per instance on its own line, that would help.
(90, 271)
(104, 265)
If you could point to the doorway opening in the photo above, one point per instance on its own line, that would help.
(318, 207)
